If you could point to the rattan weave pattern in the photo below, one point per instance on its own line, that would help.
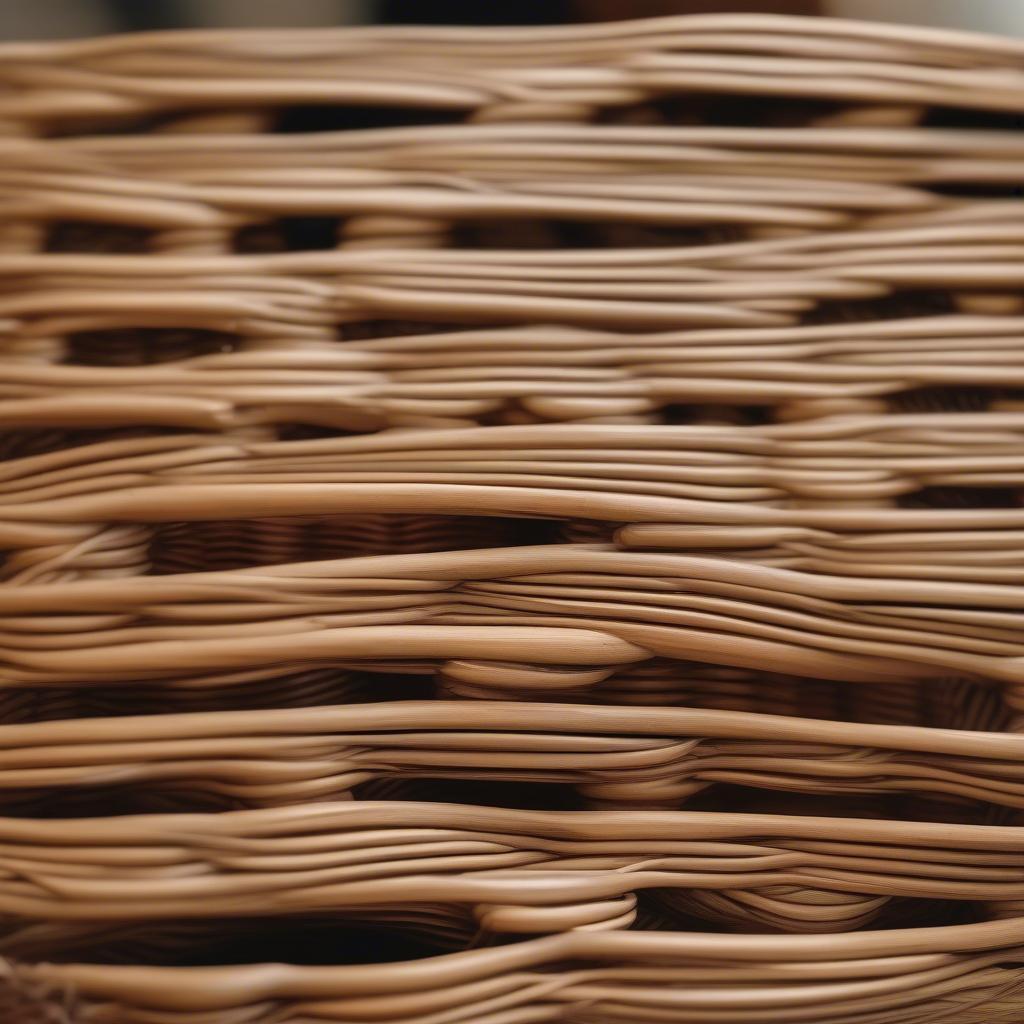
(535, 509)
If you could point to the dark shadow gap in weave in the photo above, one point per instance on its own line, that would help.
(187, 796)
(139, 346)
(316, 942)
(324, 117)
(82, 236)
(136, 123)
(878, 805)
(963, 497)
(802, 796)
(300, 939)
(932, 703)
(896, 306)
(969, 190)
(537, 796)
(654, 914)
(704, 108)
(24, 442)
(714, 911)
(325, 940)
(717, 414)
(312, 432)
(948, 399)
(288, 234)
(545, 234)
(112, 801)
(219, 545)
(339, 117)
(973, 119)
(919, 913)
(362, 330)
(316, 686)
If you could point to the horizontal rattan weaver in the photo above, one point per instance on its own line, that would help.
(520, 871)
(964, 973)
(517, 604)
(639, 755)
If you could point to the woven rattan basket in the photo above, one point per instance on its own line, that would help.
(517, 525)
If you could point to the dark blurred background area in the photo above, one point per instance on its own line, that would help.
(61, 19)
(532, 12)
(41, 19)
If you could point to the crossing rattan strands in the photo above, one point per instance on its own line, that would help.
(536, 510)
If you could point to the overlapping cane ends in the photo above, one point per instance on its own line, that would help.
(516, 525)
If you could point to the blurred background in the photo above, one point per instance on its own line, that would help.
(54, 19)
